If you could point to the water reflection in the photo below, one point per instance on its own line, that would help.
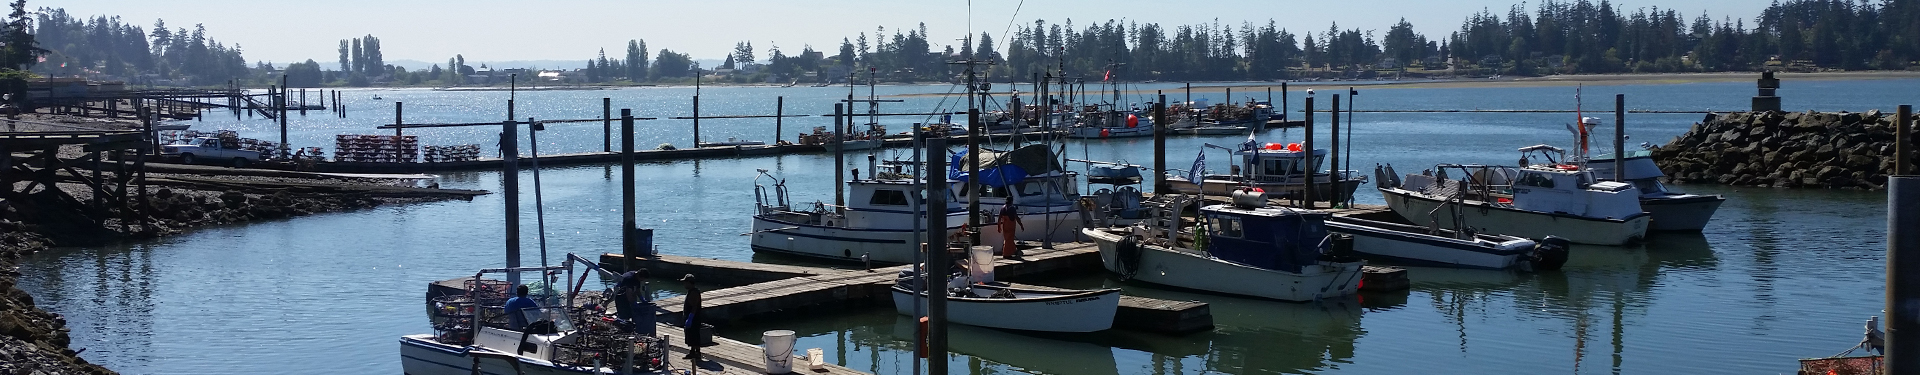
(107, 296)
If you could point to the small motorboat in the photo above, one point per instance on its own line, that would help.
(1534, 201)
(1672, 210)
(1448, 247)
(996, 305)
(471, 335)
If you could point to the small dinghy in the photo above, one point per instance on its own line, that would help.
(996, 305)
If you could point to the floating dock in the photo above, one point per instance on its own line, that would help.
(777, 288)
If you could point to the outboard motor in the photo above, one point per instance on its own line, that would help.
(1549, 253)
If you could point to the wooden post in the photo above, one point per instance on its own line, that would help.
(1306, 194)
(1619, 137)
(1903, 275)
(696, 125)
(779, 117)
(606, 124)
(1334, 193)
(627, 222)
(1284, 106)
(398, 108)
(510, 185)
(1903, 140)
(1160, 148)
(936, 249)
(303, 103)
(839, 159)
(283, 116)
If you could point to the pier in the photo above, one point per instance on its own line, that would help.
(776, 288)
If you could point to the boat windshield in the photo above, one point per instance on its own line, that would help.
(561, 321)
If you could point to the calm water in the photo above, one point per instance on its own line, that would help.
(1779, 275)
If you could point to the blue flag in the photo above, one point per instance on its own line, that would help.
(1199, 164)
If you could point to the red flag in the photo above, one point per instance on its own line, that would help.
(1109, 76)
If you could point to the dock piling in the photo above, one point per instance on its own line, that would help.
(1619, 137)
(936, 250)
(628, 224)
(1903, 140)
(510, 186)
(779, 115)
(1160, 147)
(696, 123)
(606, 124)
(1903, 274)
(1306, 195)
(1333, 128)
(839, 158)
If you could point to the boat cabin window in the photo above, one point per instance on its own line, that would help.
(1225, 226)
(1536, 180)
(1277, 167)
(884, 197)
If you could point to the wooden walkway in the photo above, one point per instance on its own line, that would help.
(776, 288)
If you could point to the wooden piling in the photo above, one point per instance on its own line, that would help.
(1903, 275)
(936, 249)
(606, 124)
(696, 124)
(1334, 164)
(628, 222)
(303, 102)
(398, 121)
(283, 116)
(1306, 194)
(779, 114)
(1903, 140)
(1619, 137)
(510, 188)
(1160, 185)
(839, 160)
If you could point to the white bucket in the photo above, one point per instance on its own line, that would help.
(778, 350)
(980, 262)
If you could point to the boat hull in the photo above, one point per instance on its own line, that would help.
(836, 243)
(1192, 270)
(1070, 311)
(420, 355)
(1514, 222)
(1689, 214)
(854, 145)
(1321, 190)
(1400, 243)
(1105, 132)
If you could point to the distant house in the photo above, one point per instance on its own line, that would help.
(550, 76)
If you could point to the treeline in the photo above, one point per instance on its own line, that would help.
(106, 45)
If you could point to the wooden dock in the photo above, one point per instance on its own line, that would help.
(778, 288)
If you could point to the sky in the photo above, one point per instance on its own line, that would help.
(494, 30)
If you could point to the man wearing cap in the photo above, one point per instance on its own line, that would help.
(692, 310)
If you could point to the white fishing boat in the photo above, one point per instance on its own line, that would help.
(1001, 306)
(1246, 249)
(1449, 248)
(877, 223)
(1672, 210)
(1102, 124)
(1280, 170)
(472, 336)
(1044, 196)
(1535, 201)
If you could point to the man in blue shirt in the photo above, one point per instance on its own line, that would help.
(635, 302)
(516, 308)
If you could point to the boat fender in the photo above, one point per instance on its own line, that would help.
(1549, 253)
(1133, 121)
(1105, 133)
(1128, 253)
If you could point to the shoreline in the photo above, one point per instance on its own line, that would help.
(1542, 81)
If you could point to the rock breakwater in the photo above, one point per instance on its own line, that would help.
(1841, 150)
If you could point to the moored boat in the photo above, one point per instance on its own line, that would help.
(1280, 170)
(1244, 249)
(1672, 210)
(1534, 201)
(472, 335)
(1449, 248)
(1044, 196)
(997, 305)
(877, 222)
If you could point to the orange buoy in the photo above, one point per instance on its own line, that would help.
(1295, 147)
(1276, 146)
(1105, 133)
(1132, 120)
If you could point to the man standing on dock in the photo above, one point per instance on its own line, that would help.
(692, 310)
(1009, 225)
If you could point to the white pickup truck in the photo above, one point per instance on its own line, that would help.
(210, 150)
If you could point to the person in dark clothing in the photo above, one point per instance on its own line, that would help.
(692, 310)
(516, 308)
(635, 301)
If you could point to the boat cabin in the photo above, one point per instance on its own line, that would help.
(1275, 238)
(879, 203)
(1051, 189)
(1640, 171)
(1276, 163)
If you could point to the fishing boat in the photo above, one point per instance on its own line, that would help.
(1044, 195)
(1672, 210)
(1280, 170)
(1533, 201)
(1096, 123)
(877, 223)
(871, 138)
(472, 335)
(998, 305)
(1448, 247)
(1120, 204)
(1245, 248)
